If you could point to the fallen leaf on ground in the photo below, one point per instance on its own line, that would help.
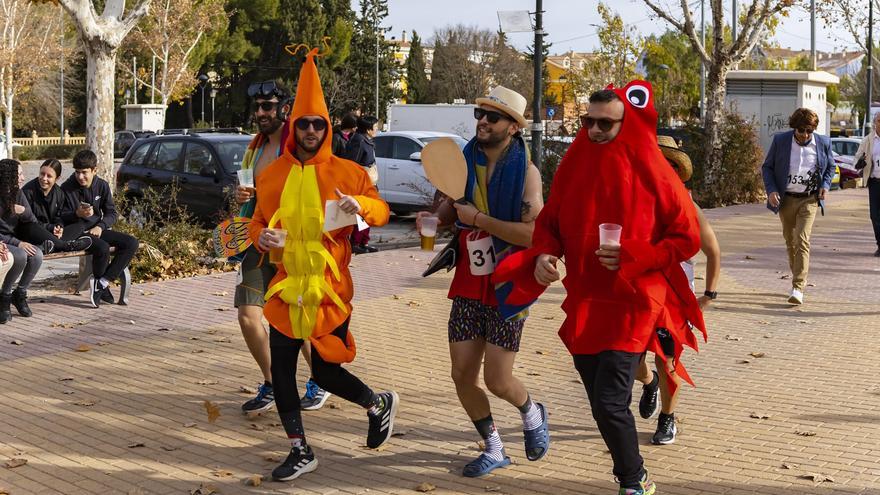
(804, 321)
(56, 324)
(85, 403)
(742, 361)
(66, 379)
(136, 445)
(334, 405)
(194, 338)
(272, 458)
(759, 415)
(221, 293)
(414, 304)
(163, 329)
(168, 449)
(207, 382)
(764, 322)
(786, 465)
(189, 425)
(805, 433)
(480, 445)
(67, 392)
(425, 487)
(222, 309)
(247, 390)
(147, 293)
(204, 489)
(254, 480)
(16, 462)
(785, 277)
(749, 257)
(222, 340)
(493, 488)
(732, 337)
(17, 342)
(197, 351)
(532, 373)
(549, 317)
(768, 336)
(213, 411)
(395, 297)
(222, 473)
(541, 353)
(817, 478)
(757, 354)
(258, 427)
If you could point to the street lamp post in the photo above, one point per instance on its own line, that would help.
(213, 95)
(203, 80)
(537, 126)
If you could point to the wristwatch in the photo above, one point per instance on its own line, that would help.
(711, 294)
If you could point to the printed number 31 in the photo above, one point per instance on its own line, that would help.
(480, 258)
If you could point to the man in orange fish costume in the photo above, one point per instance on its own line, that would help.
(618, 294)
(310, 296)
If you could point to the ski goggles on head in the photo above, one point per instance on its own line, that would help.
(265, 89)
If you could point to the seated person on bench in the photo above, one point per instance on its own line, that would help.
(89, 208)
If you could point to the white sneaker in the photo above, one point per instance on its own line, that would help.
(796, 297)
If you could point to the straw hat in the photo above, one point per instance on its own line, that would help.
(508, 101)
(679, 159)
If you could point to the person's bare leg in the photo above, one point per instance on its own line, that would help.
(644, 374)
(668, 402)
(467, 357)
(498, 374)
(306, 351)
(250, 319)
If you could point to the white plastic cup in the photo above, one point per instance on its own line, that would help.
(246, 177)
(428, 232)
(609, 234)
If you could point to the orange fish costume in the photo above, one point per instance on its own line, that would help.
(310, 296)
(628, 182)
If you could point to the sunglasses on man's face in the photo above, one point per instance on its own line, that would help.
(266, 106)
(805, 130)
(317, 124)
(491, 116)
(604, 124)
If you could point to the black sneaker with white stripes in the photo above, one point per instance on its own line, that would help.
(648, 401)
(666, 430)
(300, 461)
(382, 421)
(95, 292)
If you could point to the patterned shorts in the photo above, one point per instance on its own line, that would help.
(470, 319)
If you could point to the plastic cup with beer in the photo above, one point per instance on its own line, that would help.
(428, 232)
(245, 177)
(276, 255)
(609, 234)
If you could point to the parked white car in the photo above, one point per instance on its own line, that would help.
(845, 146)
(402, 182)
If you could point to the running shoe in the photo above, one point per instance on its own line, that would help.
(300, 461)
(314, 398)
(264, 400)
(382, 421)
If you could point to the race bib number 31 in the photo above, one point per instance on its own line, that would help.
(481, 253)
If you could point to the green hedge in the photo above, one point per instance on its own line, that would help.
(59, 151)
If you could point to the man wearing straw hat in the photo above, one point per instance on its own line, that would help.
(654, 382)
(504, 197)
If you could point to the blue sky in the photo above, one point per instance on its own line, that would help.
(569, 22)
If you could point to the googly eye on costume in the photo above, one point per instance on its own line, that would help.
(638, 96)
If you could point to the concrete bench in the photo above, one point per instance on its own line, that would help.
(85, 268)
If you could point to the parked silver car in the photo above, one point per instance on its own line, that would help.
(402, 182)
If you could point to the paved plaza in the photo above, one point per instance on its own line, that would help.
(112, 400)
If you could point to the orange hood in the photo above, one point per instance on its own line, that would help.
(310, 101)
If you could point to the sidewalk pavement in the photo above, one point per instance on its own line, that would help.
(125, 414)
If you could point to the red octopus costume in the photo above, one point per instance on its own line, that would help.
(626, 181)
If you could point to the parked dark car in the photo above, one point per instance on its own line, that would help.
(123, 140)
(201, 164)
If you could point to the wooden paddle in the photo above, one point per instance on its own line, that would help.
(445, 167)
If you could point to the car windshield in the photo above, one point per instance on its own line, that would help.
(460, 141)
(231, 154)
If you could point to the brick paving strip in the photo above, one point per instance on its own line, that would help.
(127, 415)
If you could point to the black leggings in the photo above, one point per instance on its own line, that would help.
(608, 378)
(332, 377)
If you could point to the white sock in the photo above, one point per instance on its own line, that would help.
(494, 447)
(104, 282)
(532, 419)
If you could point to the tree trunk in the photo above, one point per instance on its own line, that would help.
(716, 87)
(9, 96)
(100, 82)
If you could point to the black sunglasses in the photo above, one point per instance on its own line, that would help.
(491, 116)
(265, 89)
(266, 106)
(605, 125)
(316, 124)
(805, 130)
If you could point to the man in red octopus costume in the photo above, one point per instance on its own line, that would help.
(618, 296)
